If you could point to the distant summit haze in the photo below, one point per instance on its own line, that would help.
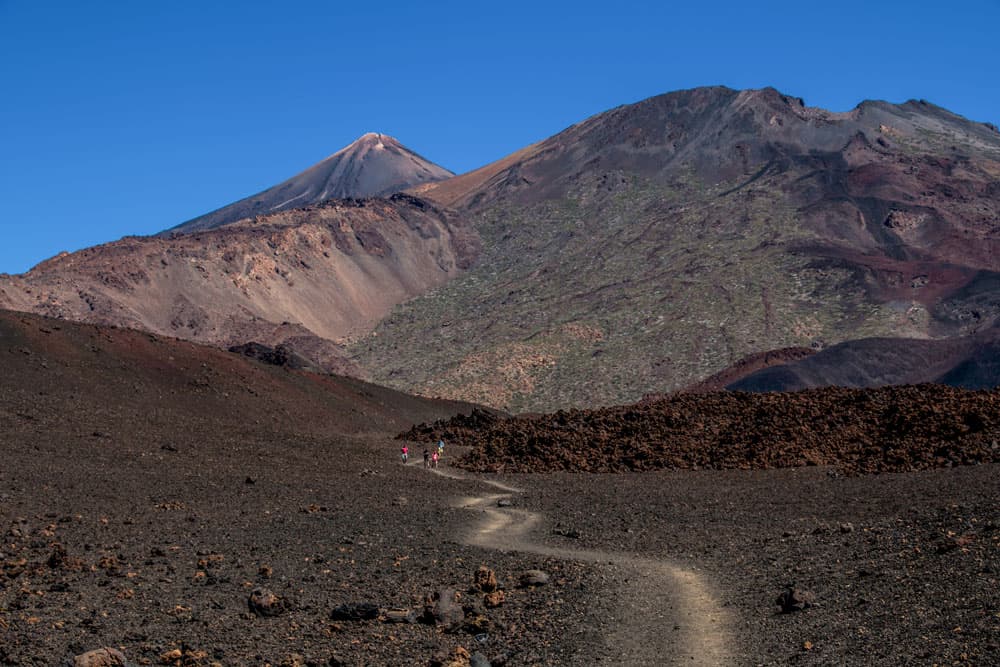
(374, 165)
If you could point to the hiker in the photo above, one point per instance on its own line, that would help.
(404, 453)
(441, 448)
(434, 460)
(427, 458)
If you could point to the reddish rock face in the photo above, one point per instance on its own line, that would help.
(308, 278)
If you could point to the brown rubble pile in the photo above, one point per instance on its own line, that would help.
(888, 429)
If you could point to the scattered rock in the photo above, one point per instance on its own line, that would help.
(847, 528)
(494, 599)
(459, 657)
(505, 502)
(571, 533)
(477, 624)
(265, 603)
(442, 608)
(534, 578)
(102, 657)
(400, 616)
(795, 599)
(485, 579)
(478, 660)
(355, 611)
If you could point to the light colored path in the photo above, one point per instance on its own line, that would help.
(666, 614)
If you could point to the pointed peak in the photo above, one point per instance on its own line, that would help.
(373, 140)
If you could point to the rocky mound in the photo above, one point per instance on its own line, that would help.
(460, 428)
(281, 355)
(890, 429)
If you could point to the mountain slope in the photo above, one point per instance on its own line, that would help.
(309, 278)
(657, 243)
(67, 376)
(971, 362)
(375, 165)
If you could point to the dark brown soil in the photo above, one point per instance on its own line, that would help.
(149, 485)
(890, 429)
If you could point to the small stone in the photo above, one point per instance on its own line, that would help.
(494, 599)
(485, 579)
(400, 616)
(477, 625)
(534, 578)
(846, 528)
(795, 599)
(170, 656)
(442, 608)
(505, 502)
(265, 603)
(360, 611)
(102, 657)
(478, 660)
(459, 658)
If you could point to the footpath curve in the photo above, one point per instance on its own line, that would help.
(666, 614)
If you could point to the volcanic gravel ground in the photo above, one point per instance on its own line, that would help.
(904, 567)
(148, 486)
(155, 551)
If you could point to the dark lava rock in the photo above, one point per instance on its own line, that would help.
(505, 502)
(442, 608)
(888, 429)
(477, 624)
(265, 603)
(275, 356)
(571, 533)
(400, 616)
(359, 611)
(794, 599)
(534, 578)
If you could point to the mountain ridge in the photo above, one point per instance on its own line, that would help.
(638, 251)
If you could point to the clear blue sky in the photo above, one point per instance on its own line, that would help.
(122, 118)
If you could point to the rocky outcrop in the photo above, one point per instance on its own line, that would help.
(890, 429)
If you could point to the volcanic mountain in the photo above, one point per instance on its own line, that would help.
(375, 165)
(641, 250)
(657, 243)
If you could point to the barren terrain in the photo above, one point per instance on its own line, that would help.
(151, 488)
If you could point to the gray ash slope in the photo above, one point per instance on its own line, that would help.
(373, 166)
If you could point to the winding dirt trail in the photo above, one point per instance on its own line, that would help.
(666, 614)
